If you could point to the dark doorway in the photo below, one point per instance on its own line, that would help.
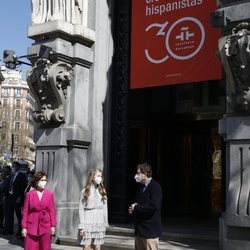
(180, 149)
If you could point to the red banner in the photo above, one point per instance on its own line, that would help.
(172, 42)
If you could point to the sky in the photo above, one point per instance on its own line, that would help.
(15, 17)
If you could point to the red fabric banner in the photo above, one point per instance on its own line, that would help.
(172, 42)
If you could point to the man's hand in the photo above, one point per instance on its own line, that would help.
(131, 208)
(82, 233)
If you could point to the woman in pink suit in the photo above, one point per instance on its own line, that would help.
(39, 218)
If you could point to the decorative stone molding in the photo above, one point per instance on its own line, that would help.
(71, 11)
(237, 51)
(49, 84)
(61, 29)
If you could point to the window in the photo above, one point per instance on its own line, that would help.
(5, 102)
(18, 103)
(4, 125)
(4, 114)
(15, 151)
(18, 112)
(16, 139)
(18, 92)
(17, 126)
(5, 91)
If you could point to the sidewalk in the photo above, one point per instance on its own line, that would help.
(178, 234)
(114, 242)
(10, 242)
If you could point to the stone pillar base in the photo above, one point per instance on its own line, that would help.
(234, 238)
(235, 222)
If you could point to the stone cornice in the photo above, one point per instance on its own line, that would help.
(65, 30)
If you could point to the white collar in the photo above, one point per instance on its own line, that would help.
(148, 181)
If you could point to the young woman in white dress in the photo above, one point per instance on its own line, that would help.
(93, 212)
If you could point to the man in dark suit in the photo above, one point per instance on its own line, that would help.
(147, 209)
(6, 175)
(15, 199)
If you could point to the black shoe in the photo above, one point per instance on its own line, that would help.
(18, 236)
(5, 232)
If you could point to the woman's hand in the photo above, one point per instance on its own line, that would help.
(18, 200)
(24, 232)
(82, 233)
(52, 231)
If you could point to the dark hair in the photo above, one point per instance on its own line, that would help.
(30, 172)
(37, 177)
(16, 163)
(6, 171)
(145, 168)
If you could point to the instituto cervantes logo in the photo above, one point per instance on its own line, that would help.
(183, 39)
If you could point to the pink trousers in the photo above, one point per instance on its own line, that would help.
(41, 242)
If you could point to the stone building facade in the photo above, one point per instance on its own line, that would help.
(17, 128)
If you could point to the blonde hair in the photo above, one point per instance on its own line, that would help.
(89, 183)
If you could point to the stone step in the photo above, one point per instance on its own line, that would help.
(193, 235)
(115, 242)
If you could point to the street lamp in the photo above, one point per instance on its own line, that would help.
(12, 147)
(11, 60)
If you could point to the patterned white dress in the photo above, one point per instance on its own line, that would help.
(93, 215)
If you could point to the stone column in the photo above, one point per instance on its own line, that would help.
(71, 93)
(235, 125)
(235, 221)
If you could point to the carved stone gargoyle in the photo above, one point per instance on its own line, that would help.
(49, 84)
(237, 51)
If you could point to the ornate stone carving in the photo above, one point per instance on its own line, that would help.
(237, 50)
(49, 83)
(68, 10)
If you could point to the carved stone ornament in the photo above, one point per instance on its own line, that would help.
(68, 10)
(49, 84)
(237, 50)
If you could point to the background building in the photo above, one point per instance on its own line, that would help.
(17, 127)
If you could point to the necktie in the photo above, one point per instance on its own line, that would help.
(11, 184)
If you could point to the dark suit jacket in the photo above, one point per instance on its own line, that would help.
(19, 186)
(5, 187)
(148, 211)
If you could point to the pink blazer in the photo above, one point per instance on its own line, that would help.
(39, 216)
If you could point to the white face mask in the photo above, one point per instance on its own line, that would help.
(42, 184)
(98, 180)
(137, 178)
